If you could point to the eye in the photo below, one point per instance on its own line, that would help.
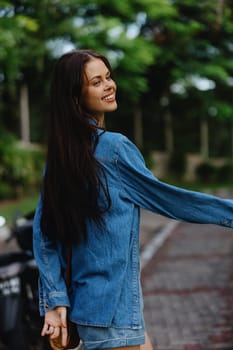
(96, 83)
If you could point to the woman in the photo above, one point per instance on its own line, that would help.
(94, 184)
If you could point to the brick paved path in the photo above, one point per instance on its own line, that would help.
(188, 290)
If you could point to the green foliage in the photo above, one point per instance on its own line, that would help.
(224, 110)
(153, 46)
(20, 167)
(6, 192)
(15, 30)
(138, 56)
(23, 206)
(214, 71)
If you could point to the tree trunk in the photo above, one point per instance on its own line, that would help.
(169, 139)
(138, 127)
(219, 13)
(24, 114)
(204, 135)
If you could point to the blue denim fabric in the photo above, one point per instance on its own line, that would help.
(112, 337)
(105, 288)
(108, 338)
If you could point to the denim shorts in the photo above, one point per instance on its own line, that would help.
(94, 338)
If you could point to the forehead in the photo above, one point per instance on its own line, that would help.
(95, 67)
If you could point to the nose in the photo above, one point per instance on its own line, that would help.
(109, 84)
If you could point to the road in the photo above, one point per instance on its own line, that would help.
(188, 289)
(187, 279)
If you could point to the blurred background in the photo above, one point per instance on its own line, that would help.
(173, 63)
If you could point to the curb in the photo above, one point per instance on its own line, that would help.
(153, 246)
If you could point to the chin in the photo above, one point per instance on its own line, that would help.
(113, 108)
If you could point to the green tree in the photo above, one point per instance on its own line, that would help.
(195, 61)
(49, 28)
(161, 51)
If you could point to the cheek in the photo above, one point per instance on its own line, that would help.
(93, 98)
(114, 85)
(87, 97)
(92, 101)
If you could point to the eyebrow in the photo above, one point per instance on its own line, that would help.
(95, 77)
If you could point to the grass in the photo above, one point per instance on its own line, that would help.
(24, 205)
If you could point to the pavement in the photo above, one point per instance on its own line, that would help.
(187, 284)
(187, 280)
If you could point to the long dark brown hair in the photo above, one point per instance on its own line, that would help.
(73, 177)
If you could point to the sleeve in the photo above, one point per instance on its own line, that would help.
(145, 190)
(52, 286)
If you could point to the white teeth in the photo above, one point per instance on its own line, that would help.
(110, 97)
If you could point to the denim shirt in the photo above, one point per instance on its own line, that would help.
(105, 287)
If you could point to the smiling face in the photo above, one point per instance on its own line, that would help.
(99, 90)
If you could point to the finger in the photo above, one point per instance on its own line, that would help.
(47, 332)
(64, 335)
(63, 317)
(56, 333)
(51, 330)
(45, 329)
(48, 329)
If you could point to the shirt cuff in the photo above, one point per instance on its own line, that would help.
(53, 300)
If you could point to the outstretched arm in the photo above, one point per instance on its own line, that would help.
(140, 186)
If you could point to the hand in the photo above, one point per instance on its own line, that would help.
(55, 323)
